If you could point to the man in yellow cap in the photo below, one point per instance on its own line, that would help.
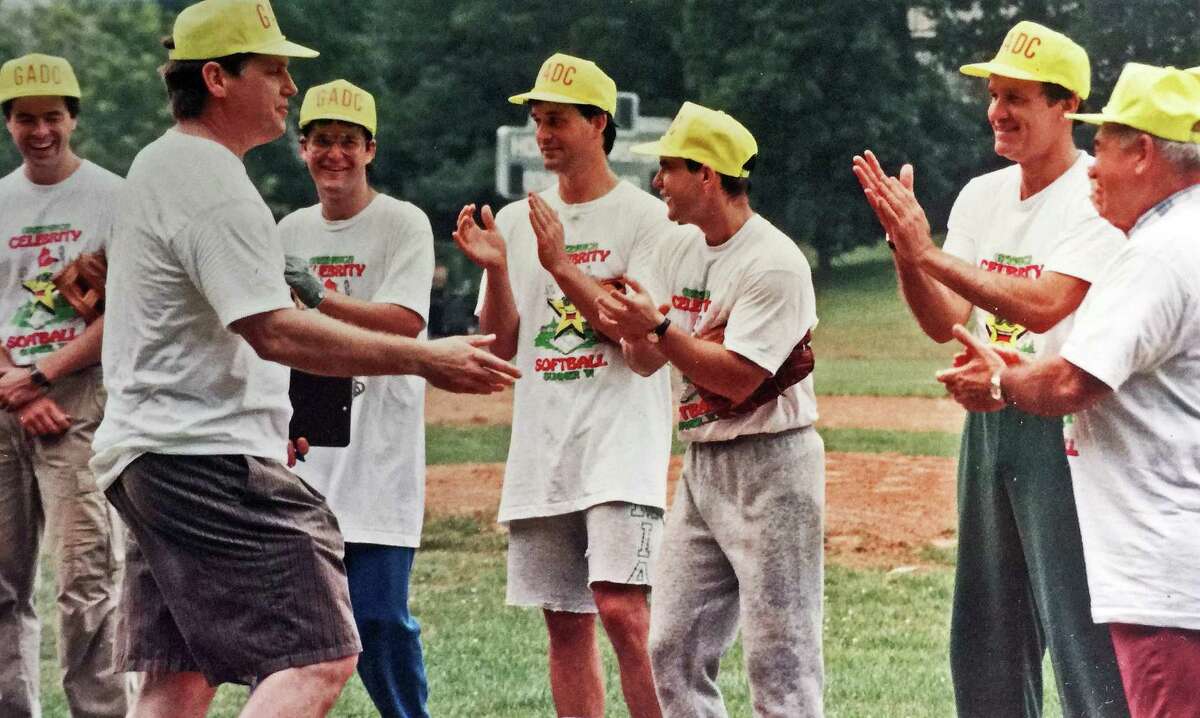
(744, 543)
(585, 483)
(234, 571)
(1128, 370)
(1022, 247)
(367, 259)
(53, 207)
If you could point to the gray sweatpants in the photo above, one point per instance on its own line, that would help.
(743, 542)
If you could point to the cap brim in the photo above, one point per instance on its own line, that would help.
(1093, 118)
(987, 69)
(337, 118)
(524, 97)
(653, 149)
(286, 48)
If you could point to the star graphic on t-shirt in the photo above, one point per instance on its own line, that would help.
(569, 318)
(42, 290)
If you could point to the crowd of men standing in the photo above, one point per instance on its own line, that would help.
(165, 476)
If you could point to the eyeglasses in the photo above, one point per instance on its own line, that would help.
(348, 142)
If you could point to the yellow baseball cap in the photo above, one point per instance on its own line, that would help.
(709, 137)
(1161, 101)
(36, 75)
(1034, 52)
(216, 28)
(339, 100)
(573, 81)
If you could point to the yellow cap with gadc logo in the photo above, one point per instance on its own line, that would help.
(1161, 101)
(1034, 52)
(573, 81)
(338, 100)
(216, 28)
(37, 75)
(709, 137)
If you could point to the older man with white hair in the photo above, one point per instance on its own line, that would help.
(1129, 370)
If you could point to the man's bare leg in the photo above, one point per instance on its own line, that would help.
(173, 695)
(576, 682)
(303, 692)
(625, 614)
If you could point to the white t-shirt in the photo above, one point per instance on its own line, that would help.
(195, 249)
(44, 228)
(384, 254)
(1137, 468)
(586, 428)
(758, 285)
(1055, 230)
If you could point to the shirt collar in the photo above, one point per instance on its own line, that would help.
(1158, 210)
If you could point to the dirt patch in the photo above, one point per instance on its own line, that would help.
(882, 510)
(902, 413)
(855, 412)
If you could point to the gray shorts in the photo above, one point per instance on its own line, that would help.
(554, 560)
(233, 570)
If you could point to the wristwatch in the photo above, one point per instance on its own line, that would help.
(997, 389)
(37, 377)
(656, 334)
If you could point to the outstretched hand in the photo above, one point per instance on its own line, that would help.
(483, 245)
(633, 314)
(465, 366)
(895, 205)
(969, 381)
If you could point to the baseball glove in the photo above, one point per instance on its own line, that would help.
(81, 283)
(798, 365)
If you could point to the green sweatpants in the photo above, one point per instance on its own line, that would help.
(1020, 587)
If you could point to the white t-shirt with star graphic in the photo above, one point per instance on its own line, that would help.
(587, 429)
(44, 228)
(1055, 230)
(376, 485)
(758, 286)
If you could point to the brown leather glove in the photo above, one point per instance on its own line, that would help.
(81, 283)
(798, 365)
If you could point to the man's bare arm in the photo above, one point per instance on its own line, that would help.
(936, 308)
(17, 388)
(581, 289)
(1051, 387)
(708, 364)
(1038, 303)
(322, 345)
(377, 316)
(484, 246)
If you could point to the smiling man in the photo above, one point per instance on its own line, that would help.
(585, 482)
(234, 569)
(367, 259)
(54, 207)
(744, 540)
(1129, 368)
(1022, 247)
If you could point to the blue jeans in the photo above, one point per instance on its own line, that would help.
(391, 665)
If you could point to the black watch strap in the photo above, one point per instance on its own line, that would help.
(38, 378)
(661, 329)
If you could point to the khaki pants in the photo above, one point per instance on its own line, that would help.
(45, 484)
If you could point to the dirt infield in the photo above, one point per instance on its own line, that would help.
(882, 510)
(858, 412)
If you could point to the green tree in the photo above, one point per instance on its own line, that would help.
(115, 50)
(817, 83)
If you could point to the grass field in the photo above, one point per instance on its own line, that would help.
(867, 343)
(885, 632)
